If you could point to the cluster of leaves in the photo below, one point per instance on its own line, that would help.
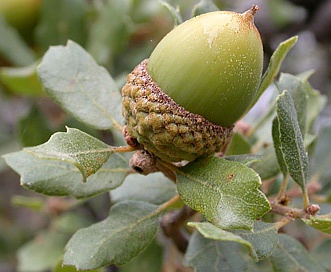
(239, 226)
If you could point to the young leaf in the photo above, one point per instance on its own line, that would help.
(213, 256)
(225, 192)
(33, 128)
(54, 15)
(150, 260)
(316, 102)
(75, 147)
(238, 145)
(111, 31)
(203, 6)
(129, 229)
(62, 268)
(268, 166)
(84, 89)
(322, 155)
(12, 46)
(173, 11)
(321, 223)
(288, 141)
(263, 239)
(57, 178)
(41, 253)
(21, 80)
(290, 255)
(321, 254)
(157, 189)
(245, 159)
(274, 65)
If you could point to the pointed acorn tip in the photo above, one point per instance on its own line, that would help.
(249, 14)
(254, 9)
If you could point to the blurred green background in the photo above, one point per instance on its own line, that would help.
(118, 34)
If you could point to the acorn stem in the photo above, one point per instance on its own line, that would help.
(124, 149)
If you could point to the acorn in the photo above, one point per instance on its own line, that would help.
(203, 76)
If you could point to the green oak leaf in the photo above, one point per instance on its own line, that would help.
(321, 223)
(299, 92)
(225, 192)
(128, 230)
(290, 255)
(280, 157)
(288, 141)
(58, 178)
(81, 87)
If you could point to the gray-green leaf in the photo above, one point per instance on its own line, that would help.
(129, 229)
(225, 192)
(57, 178)
(263, 239)
(41, 253)
(84, 89)
(261, 242)
(75, 147)
(290, 255)
(213, 256)
(157, 189)
(321, 157)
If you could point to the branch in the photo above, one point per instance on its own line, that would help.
(278, 207)
(172, 224)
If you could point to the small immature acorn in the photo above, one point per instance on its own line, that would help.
(202, 77)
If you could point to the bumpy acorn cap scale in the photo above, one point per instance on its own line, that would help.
(163, 127)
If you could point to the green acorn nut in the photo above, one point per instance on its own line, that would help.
(201, 78)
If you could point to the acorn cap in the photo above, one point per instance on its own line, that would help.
(211, 65)
(164, 128)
